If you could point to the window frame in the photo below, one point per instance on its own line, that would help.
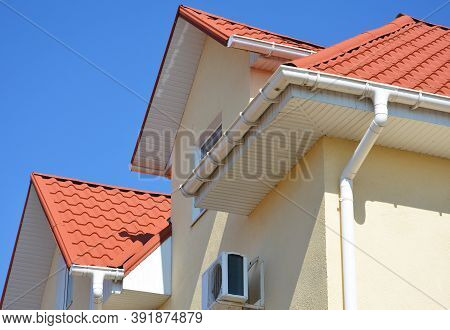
(209, 137)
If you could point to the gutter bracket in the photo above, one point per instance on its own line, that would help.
(316, 83)
(199, 178)
(230, 140)
(419, 100)
(365, 92)
(213, 160)
(266, 98)
(247, 122)
(272, 48)
(184, 192)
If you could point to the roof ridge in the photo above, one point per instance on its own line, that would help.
(423, 21)
(51, 218)
(247, 25)
(58, 177)
(354, 42)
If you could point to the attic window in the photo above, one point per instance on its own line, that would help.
(207, 141)
(210, 141)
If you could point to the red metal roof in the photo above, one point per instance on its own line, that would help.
(406, 52)
(100, 225)
(221, 29)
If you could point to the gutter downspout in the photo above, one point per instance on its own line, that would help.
(380, 99)
(98, 275)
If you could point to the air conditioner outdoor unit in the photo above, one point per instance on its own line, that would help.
(226, 280)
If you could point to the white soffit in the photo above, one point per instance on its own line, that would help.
(320, 113)
(168, 104)
(147, 286)
(135, 300)
(32, 259)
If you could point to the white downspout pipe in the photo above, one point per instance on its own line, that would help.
(380, 99)
(98, 275)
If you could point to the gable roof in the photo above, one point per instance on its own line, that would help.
(407, 52)
(221, 29)
(176, 75)
(100, 225)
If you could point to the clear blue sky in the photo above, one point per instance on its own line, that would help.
(61, 116)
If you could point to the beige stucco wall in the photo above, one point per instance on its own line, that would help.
(402, 228)
(221, 85)
(402, 212)
(290, 242)
(289, 237)
(402, 217)
(224, 83)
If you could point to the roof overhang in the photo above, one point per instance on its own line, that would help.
(31, 258)
(40, 234)
(307, 107)
(153, 150)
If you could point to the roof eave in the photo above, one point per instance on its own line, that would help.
(279, 81)
(15, 248)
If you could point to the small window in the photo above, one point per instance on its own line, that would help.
(68, 294)
(213, 135)
(210, 141)
(197, 212)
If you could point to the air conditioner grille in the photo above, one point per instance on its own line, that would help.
(216, 280)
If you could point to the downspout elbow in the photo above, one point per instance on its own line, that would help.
(98, 275)
(346, 189)
(380, 98)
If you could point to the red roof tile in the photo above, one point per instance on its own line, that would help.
(221, 29)
(99, 225)
(406, 52)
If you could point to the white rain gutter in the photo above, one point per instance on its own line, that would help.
(98, 275)
(380, 94)
(267, 48)
(284, 76)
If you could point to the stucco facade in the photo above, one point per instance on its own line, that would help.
(402, 216)
(402, 226)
